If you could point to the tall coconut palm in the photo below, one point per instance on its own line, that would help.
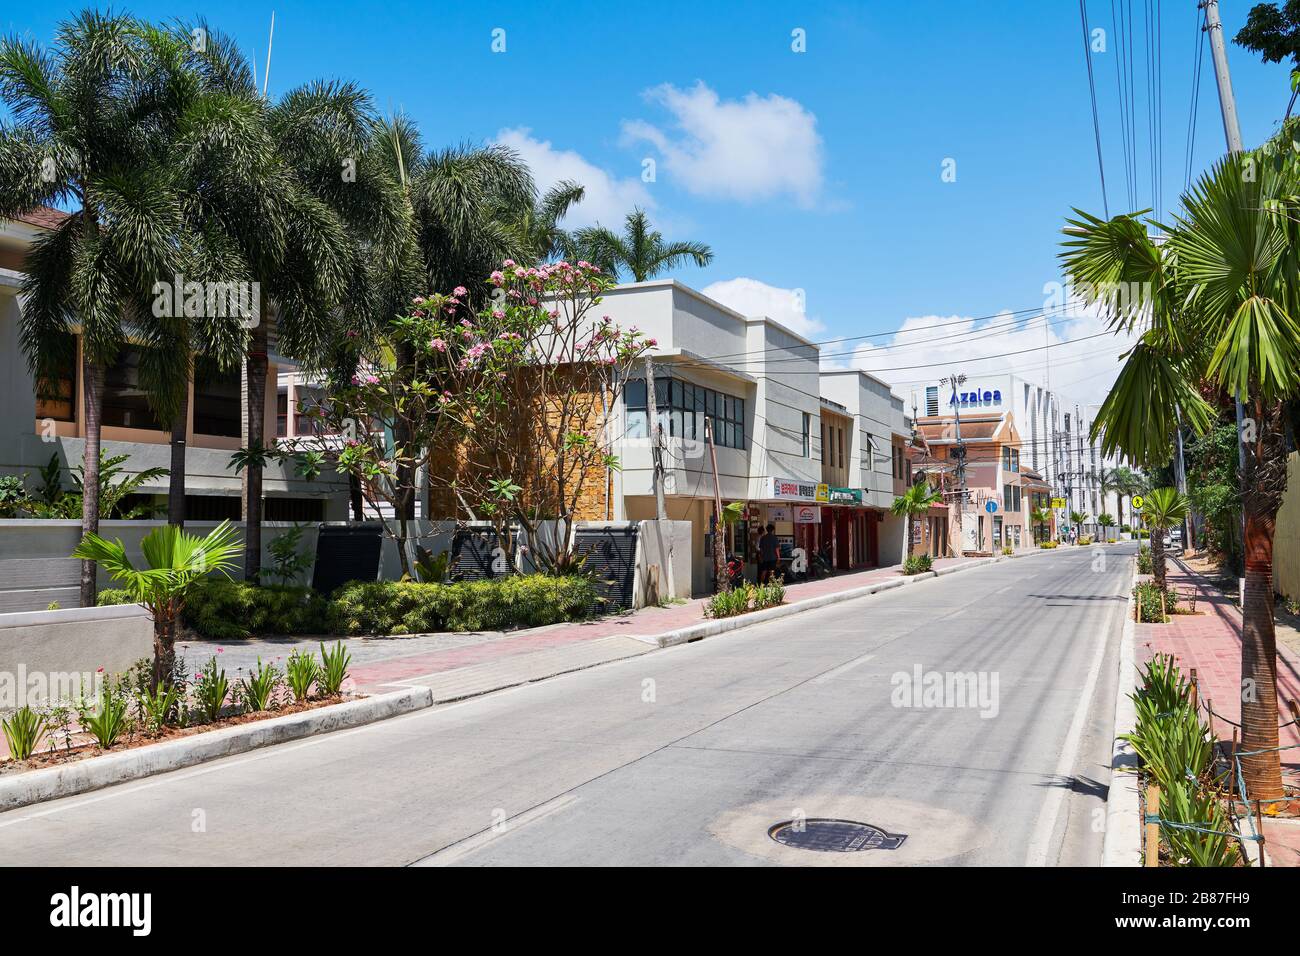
(1215, 303)
(1163, 508)
(913, 503)
(287, 206)
(640, 252)
(89, 131)
(545, 237)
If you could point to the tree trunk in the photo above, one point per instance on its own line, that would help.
(354, 495)
(1158, 558)
(1264, 484)
(176, 481)
(1259, 714)
(255, 371)
(164, 648)
(92, 375)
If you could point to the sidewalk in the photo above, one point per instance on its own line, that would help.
(1210, 642)
(457, 665)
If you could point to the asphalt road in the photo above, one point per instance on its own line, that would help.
(689, 755)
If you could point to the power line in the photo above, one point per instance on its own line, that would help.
(1198, 48)
(1092, 93)
(1118, 45)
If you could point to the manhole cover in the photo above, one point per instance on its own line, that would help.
(834, 836)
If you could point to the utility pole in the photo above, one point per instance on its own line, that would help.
(657, 460)
(1232, 133)
(959, 453)
(719, 560)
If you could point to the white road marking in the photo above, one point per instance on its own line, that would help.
(457, 851)
(831, 675)
(1040, 843)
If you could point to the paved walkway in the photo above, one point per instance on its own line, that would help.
(1210, 642)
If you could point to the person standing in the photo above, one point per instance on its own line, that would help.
(769, 552)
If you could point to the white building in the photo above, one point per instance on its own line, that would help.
(819, 455)
(1054, 434)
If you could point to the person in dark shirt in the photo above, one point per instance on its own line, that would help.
(769, 552)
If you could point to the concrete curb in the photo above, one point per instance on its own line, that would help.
(712, 628)
(93, 773)
(1122, 844)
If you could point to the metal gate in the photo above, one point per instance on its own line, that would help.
(609, 556)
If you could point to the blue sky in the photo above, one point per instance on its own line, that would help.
(817, 171)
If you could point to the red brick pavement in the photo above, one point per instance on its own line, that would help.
(646, 622)
(1210, 642)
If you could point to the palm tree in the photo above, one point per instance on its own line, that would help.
(1077, 518)
(1042, 517)
(1125, 482)
(285, 202)
(1106, 521)
(174, 561)
(640, 250)
(1216, 303)
(541, 229)
(914, 502)
(90, 130)
(1163, 508)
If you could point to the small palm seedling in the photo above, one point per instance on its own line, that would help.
(334, 669)
(23, 732)
(157, 707)
(302, 671)
(258, 688)
(210, 690)
(110, 720)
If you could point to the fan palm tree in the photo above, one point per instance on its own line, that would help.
(1125, 483)
(1163, 508)
(1216, 303)
(640, 251)
(913, 503)
(91, 130)
(1042, 517)
(174, 561)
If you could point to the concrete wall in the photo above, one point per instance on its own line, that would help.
(46, 654)
(654, 539)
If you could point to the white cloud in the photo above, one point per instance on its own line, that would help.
(608, 199)
(755, 148)
(751, 297)
(1081, 371)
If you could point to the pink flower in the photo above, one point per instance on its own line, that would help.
(418, 300)
(438, 345)
(652, 342)
(352, 333)
(508, 263)
(460, 290)
(498, 314)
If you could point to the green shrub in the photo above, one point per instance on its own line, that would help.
(1144, 564)
(301, 671)
(210, 690)
(334, 668)
(257, 690)
(112, 596)
(23, 731)
(1008, 550)
(1147, 596)
(110, 720)
(1085, 539)
(224, 610)
(730, 603)
(917, 563)
(409, 607)
(1048, 545)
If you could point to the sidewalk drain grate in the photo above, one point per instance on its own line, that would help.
(834, 836)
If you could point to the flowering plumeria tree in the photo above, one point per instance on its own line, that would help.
(562, 398)
(507, 409)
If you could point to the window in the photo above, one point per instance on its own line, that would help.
(56, 394)
(125, 402)
(309, 398)
(807, 435)
(282, 411)
(1011, 500)
(216, 399)
(682, 408)
(825, 454)
(840, 433)
(932, 400)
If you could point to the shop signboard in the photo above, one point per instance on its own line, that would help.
(778, 513)
(846, 496)
(790, 489)
(807, 514)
